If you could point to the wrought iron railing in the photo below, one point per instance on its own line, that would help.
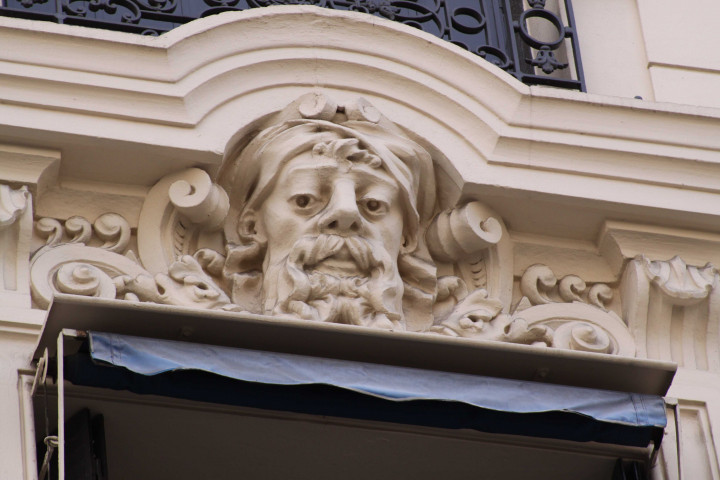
(534, 40)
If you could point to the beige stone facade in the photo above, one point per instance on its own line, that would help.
(570, 225)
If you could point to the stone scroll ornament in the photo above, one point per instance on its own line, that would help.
(328, 214)
(575, 315)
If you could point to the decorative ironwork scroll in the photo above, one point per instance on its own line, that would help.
(532, 41)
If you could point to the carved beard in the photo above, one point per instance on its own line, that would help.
(309, 284)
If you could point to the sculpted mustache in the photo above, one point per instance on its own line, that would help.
(310, 250)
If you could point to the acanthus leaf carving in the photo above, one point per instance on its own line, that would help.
(680, 281)
(600, 295)
(536, 282)
(114, 230)
(478, 317)
(50, 229)
(664, 300)
(79, 228)
(571, 288)
(576, 335)
(461, 232)
(186, 284)
(13, 203)
(78, 264)
(84, 279)
(74, 267)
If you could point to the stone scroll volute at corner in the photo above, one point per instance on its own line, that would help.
(331, 213)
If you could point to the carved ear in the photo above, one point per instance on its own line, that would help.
(248, 227)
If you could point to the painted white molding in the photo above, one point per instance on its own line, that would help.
(27, 426)
(689, 433)
(36, 168)
(172, 102)
(621, 241)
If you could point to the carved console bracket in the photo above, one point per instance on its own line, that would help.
(180, 211)
(673, 310)
(474, 238)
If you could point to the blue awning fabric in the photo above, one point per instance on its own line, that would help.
(325, 386)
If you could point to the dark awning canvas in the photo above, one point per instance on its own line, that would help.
(325, 386)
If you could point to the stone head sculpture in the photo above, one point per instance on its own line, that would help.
(327, 214)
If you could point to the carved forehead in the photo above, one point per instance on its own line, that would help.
(319, 169)
(257, 167)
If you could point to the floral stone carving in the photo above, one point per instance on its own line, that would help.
(328, 214)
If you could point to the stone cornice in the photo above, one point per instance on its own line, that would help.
(174, 101)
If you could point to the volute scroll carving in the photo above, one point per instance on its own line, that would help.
(67, 264)
(577, 315)
(180, 209)
(329, 214)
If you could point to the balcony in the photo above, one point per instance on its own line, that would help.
(533, 40)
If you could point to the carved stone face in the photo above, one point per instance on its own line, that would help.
(337, 224)
(316, 196)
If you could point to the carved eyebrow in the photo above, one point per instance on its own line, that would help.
(299, 169)
(379, 176)
(308, 177)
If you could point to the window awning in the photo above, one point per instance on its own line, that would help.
(343, 388)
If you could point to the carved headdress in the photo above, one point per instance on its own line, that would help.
(312, 120)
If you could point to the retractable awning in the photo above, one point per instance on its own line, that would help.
(343, 388)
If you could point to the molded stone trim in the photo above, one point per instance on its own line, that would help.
(176, 99)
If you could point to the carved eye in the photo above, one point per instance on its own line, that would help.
(374, 207)
(302, 201)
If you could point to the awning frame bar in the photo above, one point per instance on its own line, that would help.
(61, 401)
(60, 354)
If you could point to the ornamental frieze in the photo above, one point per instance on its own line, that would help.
(329, 213)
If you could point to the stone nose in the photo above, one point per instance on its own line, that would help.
(341, 216)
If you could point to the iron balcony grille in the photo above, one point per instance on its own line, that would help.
(533, 40)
